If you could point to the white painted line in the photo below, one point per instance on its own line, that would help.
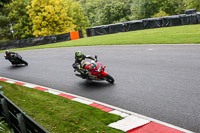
(117, 112)
(82, 101)
(29, 85)
(124, 115)
(128, 123)
(53, 92)
(12, 82)
(110, 106)
(150, 49)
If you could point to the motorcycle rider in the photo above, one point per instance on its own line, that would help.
(79, 63)
(10, 55)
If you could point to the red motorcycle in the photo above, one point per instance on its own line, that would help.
(96, 71)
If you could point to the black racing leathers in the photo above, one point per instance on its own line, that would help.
(11, 55)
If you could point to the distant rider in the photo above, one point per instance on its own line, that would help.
(10, 55)
(79, 63)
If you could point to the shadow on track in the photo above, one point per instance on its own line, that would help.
(16, 67)
(95, 85)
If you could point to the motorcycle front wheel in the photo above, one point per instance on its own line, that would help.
(24, 62)
(110, 79)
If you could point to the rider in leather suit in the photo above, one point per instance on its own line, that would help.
(79, 63)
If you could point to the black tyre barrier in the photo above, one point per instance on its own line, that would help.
(117, 28)
(152, 23)
(190, 11)
(192, 17)
(38, 41)
(99, 30)
(134, 25)
(18, 120)
(171, 21)
(88, 31)
(184, 19)
(198, 17)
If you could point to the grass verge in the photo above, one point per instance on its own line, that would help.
(188, 34)
(58, 114)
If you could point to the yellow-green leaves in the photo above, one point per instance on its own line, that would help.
(50, 17)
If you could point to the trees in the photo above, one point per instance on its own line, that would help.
(50, 17)
(148, 8)
(19, 19)
(193, 4)
(101, 12)
(15, 23)
(112, 12)
(78, 17)
(2, 2)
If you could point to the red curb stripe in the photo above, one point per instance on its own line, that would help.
(40, 88)
(153, 127)
(2, 79)
(18, 83)
(106, 109)
(66, 96)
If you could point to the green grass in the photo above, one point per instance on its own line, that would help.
(189, 34)
(58, 114)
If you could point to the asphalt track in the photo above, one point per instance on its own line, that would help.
(158, 81)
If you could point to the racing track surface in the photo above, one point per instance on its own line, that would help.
(158, 81)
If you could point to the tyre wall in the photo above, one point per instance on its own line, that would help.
(190, 17)
(42, 40)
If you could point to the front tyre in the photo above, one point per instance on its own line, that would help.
(110, 79)
(24, 62)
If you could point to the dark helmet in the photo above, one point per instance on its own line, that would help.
(6, 52)
(78, 55)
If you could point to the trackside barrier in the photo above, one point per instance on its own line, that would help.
(18, 120)
(190, 17)
(42, 40)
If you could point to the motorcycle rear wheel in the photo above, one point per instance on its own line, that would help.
(110, 79)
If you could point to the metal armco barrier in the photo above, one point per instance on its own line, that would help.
(18, 120)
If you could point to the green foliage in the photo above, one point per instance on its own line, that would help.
(112, 12)
(4, 28)
(106, 12)
(50, 17)
(4, 127)
(19, 19)
(2, 2)
(179, 6)
(77, 14)
(194, 4)
(14, 14)
(160, 14)
(147, 8)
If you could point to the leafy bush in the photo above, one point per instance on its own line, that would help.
(4, 127)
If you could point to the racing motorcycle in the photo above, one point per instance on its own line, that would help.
(94, 70)
(16, 59)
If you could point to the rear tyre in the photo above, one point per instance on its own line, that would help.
(110, 79)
